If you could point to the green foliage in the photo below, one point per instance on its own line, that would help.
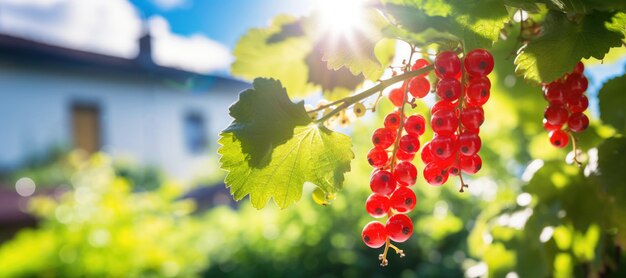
(271, 148)
(612, 103)
(565, 42)
(363, 52)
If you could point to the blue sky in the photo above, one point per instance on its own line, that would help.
(221, 20)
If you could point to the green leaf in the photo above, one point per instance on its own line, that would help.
(585, 6)
(612, 102)
(477, 23)
(611, 174)
(286, 50)
(480, 21)
(526, 5)
(564, 43)
(363, 51)
(271, 148)
(264, 118)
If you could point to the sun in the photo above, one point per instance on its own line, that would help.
(340, 17)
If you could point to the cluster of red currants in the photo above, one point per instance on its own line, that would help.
(393, 175)
(456, 118)
(567, 102)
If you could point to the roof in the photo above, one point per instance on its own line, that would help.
(23, 50)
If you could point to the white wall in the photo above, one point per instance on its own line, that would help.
(140, 119)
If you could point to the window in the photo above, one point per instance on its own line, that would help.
(86, 127)
(195, 133)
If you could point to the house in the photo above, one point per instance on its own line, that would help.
(53, 96)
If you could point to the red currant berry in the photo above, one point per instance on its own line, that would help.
(392, 120)
(419, 64)
(472, 118)
(468, 143)
(479, 62)
(435, 174)
(449, 89)
(447, 64)
(578, 122)
(382, 183)
(419, 87)
(383, 137)
(579, 68)
(415, 125)
(577, 104)
(396, 96)
(377, 206)
(442, 147)
(547, 126)
(555, 114)
(377, 157)
(444, 122)
(554, 93)
(405, 173)
(409, 144)
(427, 156)
(402, 200)
(374, 234)
(471, 164)
(399, 227)
(454, 169)
(558, 138)
(576, 83)
(478, 91)
(441, 105)
(404, 156)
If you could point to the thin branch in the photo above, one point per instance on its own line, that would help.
(378, 87)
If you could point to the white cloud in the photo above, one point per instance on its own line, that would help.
(170, 4)
(109, 27)
(104, 26)
(196, 53)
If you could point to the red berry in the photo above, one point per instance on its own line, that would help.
(419, 87)
(478, 91)
(555, 114)
(479, 62)
(377, 206)
(578, 122)
(579, 68)
(577, 104)
(420, 63)
(404, 156)
(471, 164)
(547, 126)
(468, 143)
(396, 96)
(444, 122)
(441, 105)
(374, 234)
(383, 137)
(435, 174)
(402, 200)
(454, 169)
(399, 227)
(554, 92)
(442, 147)
(392, 120)
(472, 117)
(409, 144)
(447, 64)
(576, 83)
(405, 173)
(415, 125)
(382, 183)
(377, 157)
(427, 156)
(558, 138)
(449, 89)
